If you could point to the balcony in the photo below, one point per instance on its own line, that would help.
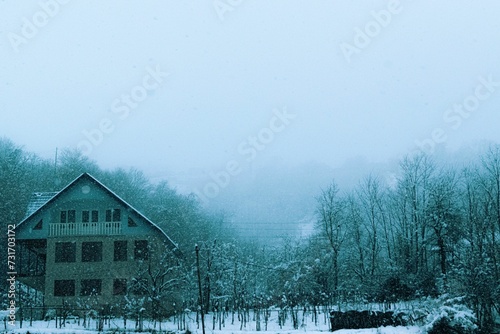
(80, 229)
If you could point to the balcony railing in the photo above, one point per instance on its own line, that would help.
(101, 228)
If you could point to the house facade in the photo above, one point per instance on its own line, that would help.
(85, 245)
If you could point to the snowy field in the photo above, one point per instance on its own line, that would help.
(170, 326)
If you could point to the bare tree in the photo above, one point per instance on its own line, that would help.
(414, 192)
(160, 279)
(443, 216)
(370, 195)
(491, 184)
(331, 219)
(356, 223)
(477, 266)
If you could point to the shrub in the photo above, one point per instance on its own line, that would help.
(449, 316)
(426, 286)
(393, 290)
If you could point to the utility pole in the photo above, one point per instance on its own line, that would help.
(55, 165)
(197, 249)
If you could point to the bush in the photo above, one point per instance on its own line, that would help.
(449, 316)
(443, 326)
(393, 290)
(426, 286)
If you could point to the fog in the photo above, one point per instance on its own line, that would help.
(254, 106)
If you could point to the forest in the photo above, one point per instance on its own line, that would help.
(432, 232)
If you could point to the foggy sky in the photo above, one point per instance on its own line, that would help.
(186, 90)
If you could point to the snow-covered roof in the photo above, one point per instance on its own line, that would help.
(37, 200)
(42, 199)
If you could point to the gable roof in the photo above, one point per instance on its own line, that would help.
(41, 200)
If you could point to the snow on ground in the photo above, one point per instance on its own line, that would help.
(41, 328)
(117, 326)
(382, 330)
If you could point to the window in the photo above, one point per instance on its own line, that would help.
(64, 288)
(68, 216)
(85, 216)
(90, 287)
(71, 216)
(63, 217)
(117, 215)
(120, 286)
(92, 251)
(38, 225)
(113, 215)
(65, 252)
(141, 250)
(120, 253)
(131, 222)
(95, 216)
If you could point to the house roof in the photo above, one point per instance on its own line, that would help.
(37, 200)
(41, 200)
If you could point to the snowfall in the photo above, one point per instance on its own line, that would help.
(75, 326)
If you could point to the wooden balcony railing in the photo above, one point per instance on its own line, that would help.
(101, 228)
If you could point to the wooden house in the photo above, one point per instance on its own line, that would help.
(84, 245)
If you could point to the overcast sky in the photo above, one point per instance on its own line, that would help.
(189, 88)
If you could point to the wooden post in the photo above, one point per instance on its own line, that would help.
(197, 249)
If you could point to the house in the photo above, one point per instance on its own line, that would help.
(84, 245)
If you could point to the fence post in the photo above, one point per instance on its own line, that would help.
(197, 249)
